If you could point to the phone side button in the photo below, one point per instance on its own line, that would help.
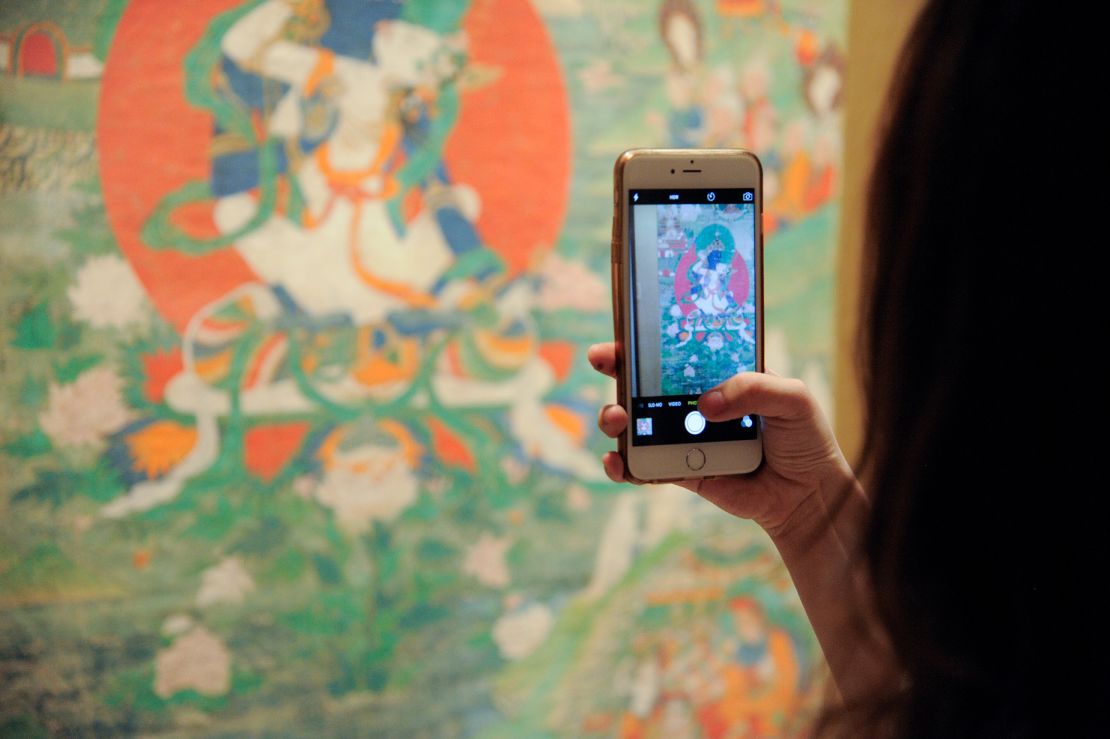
(695, 459)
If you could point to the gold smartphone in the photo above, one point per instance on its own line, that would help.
(687, 263)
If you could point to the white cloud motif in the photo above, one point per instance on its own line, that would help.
(227, 582)
(198, 660)
(485, 560)
(107, 294)
(521, 632)
(177, 623)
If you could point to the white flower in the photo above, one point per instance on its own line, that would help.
(688, 372)
(107, 294)
(198, 661)
(177, 623)
(374, 483)
(227, 582)
(486, 561)
(672, 330)
(676, 312)
(85, 411)
(521, 632)
(568, 284)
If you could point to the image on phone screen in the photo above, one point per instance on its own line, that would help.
(692, 262)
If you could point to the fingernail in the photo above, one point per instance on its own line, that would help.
(711, 403)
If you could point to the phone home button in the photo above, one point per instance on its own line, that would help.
(695, 459)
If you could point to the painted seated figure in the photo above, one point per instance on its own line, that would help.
(374, 289)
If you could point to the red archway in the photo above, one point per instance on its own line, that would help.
(41, 51)
(511, 142)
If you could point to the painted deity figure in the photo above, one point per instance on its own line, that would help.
(346, 230)
(368, 259)
(711, 273)
(674, 236)
(760, 679)
(704, 107)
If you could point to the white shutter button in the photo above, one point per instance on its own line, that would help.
(695, 422)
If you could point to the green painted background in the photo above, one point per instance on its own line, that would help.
(504, 598)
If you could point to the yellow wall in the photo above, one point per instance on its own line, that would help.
(876, 29)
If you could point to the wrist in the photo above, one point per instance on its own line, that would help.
(834, 495)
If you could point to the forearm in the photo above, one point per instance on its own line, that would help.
(821, 547)
(251, 33)
(255, 44)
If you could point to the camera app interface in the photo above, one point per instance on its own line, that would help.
(693, 275)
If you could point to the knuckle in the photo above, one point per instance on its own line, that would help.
(738, 386)
(751, 387)
(801, 399)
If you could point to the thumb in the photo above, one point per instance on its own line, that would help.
(757, 393)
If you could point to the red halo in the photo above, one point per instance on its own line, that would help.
(511, 142)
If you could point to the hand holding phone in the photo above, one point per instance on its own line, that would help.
(687, 303)
(800, 454)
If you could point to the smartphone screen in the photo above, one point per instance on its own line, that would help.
(692, 258)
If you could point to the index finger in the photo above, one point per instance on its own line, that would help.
(603, 358)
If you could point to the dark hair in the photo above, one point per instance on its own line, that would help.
(985, 411)
(714, 258)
